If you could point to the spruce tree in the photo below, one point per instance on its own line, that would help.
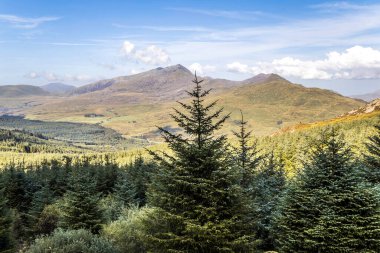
(247, 155)
(372, 160)
(6, 240)
(132, 184)
(195, 189)
(41, 199)
(268, 187)
(328, 208)
(80, 209)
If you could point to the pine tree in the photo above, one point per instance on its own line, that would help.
(372, 160)
(81, 202)
(328, 208)
(195, 188)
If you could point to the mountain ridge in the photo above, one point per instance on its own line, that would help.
(21, 90)
(57, 88)
(133, 105)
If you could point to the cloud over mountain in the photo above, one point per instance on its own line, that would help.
(354, 63)
(152, 55)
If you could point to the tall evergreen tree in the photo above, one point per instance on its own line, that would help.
(132, 184)
(372, 160)
(268, 187)
(41, 198)
(247, 155)
(263, 180)
(195, 189)
(6, 240)
(327, 208)
(81, 202)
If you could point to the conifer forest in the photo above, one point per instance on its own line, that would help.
(183, 126)
(201, 192)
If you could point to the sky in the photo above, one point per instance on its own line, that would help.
(326, 44)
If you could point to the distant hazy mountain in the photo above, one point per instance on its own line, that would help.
(58, 88)
(21, 91)
(369, 96)
(169, 82)
(134, 105)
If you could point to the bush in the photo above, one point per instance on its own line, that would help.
(71, 241)
(129, 233)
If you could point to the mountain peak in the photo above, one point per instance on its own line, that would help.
(261, 78)
(173, 68)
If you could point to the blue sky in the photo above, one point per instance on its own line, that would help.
(332, 45)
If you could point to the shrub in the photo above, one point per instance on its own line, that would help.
(71, 241)
(129, 232)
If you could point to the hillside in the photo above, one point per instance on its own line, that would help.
(164, 83)
(134, 105)
(368, 111)
(57, 88)
(8, 91)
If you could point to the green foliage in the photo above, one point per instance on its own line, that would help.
(267, 188)
(247, 155)
(327, 208)
(80, 208)
(48, 220)
(6, 239)
(59, 137)
(71, 241)
(196, 192)
(40, 199)
(110, 207)
(132, 184)
(372, 160)
(131, 231)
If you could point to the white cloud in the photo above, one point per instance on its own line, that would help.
(25, 23)
(201, 69)
(53, 77)
(151, 55)
(243, 15)
(32, 75)
(354, 63)
(128, 48)
(333, 6)
(238, 67)
(166, 28)
(137, 71)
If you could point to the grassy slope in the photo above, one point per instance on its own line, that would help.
(136, 114)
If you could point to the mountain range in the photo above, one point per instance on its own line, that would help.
(368, 96)
(133, 105)
(58, 88)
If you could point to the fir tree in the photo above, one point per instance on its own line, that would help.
(195, 189)
(372, 160)
(327, 208)
(81, 202)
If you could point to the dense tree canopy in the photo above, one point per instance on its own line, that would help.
(328, 208)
